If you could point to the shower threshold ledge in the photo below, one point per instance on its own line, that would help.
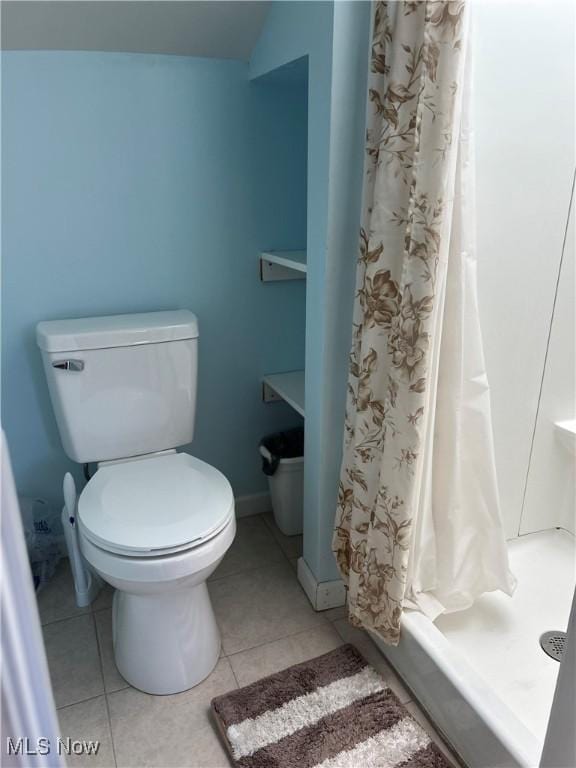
(479, 726)
(481, 673)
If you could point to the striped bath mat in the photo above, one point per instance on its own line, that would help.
(334, 711)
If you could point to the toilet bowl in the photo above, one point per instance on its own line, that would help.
(152, 522)
(165, 636)
(155, 529)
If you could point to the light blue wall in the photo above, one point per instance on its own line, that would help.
(334, 36)
(293, 30)
(347, 121)
(133, 183)
(140, 182)
(279, 113)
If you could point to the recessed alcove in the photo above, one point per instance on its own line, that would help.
(281, 164)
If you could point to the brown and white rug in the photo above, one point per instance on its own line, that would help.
(334, 711)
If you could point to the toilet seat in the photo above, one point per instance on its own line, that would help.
(155, 506)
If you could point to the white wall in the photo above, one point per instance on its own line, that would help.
(524, 113)
(550, 491)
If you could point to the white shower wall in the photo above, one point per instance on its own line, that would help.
(524, 115)
(550, 490)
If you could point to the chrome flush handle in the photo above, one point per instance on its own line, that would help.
(69, 365)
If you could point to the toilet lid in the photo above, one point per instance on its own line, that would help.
(149, 505)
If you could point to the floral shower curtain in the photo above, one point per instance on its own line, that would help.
(418, 522)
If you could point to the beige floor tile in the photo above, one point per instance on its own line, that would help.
(290, 545)
(373, 656)
(422, 719)
(260, 606)
(57, 600)
(265, 660)
(104, 599)
(333, 614)
(209, 749)
(253, 546)
(113, 680)
(73, 660)
(170, 730)
(88, 721)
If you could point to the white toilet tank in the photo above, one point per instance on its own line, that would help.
(123, 385)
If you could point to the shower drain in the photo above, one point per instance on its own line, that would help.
(553, 643)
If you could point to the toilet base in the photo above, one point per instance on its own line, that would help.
(165, 643)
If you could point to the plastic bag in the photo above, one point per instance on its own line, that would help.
(44, 538)
(281, 445)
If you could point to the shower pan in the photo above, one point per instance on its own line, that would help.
(481, 673)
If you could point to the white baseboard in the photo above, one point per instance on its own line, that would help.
(255, 504)
(322, 594)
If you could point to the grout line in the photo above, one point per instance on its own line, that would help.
(98, 646)
(212, 579)
(92, 698)
(264, 517)
(105, 588)
(103, 608)
(65, 618)
(258, 567)
(285, 637)
(101, 660)
(289, 560)
(269, 530)
(110, 730)
(99, 649)
(274, 530)
(232, 669)
(81, 701)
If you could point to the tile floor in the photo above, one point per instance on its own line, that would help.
(267, 624)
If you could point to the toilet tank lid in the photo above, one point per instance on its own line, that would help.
(116, 331)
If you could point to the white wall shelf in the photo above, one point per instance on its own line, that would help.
(566, 431)
(282, 265)
(285, 386)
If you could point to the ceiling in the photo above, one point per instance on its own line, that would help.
(226, 29)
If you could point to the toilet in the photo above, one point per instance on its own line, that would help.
(152, 522)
